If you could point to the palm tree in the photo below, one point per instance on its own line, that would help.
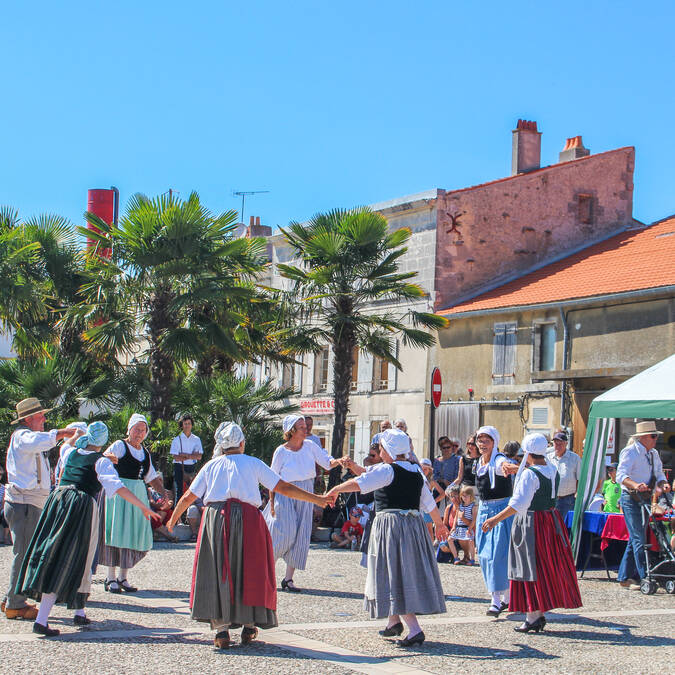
(349, 264)
(172, 262)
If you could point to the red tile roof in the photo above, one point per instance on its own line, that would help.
(633, 260)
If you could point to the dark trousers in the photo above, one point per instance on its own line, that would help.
(22, 520)
(178, 478)
(633, 562)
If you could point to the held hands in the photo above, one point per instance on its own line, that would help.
(326, 500)
(509, 468)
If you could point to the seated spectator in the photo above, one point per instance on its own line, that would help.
(351, 532)
(449, 547)
(436, 490)
(662, 505)
(194, 517)
(165, 508)
(469, 460)
(447, 469)
(611, 490)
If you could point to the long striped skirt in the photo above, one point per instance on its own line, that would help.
(541, 568)
(212, 599)
(493, 546)
(402, 575)
(61, 551)
(291, 526)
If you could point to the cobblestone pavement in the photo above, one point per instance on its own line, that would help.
(325, 630)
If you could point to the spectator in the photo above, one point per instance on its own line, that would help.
(464, 526)
(5, 535)
(384, 425)
(446, 469)
(568, 465)
(450, 546)
(164, 507)
(469, 461)
(186, 450)
(351, 532)
(194, 517)
(309, 423)
(511, 449)
(401, 425)
(437, 491)
(611, 490)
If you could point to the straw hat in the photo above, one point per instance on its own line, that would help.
(648, 427)
(28, 407)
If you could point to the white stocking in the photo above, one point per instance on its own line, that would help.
(123, 573)
(496, 602)
(111, 574)
(505, 596)
(46, 603)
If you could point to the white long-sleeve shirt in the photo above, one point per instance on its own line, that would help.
(635, 464)
(28, 475)
(297, 465)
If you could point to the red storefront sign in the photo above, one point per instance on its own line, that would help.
(318, 406)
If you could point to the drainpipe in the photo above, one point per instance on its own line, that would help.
(565, 366)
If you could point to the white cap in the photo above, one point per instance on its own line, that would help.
(425, 462)
(395, 442)
(290, 421)
(489, 431)
(135, 419)
(228, 435)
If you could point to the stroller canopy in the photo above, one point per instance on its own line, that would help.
(650, 394)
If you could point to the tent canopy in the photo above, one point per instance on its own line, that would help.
(649, 394)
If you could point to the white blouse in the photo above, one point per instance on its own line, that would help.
(233, 477)
(118, 449)
(105, 472)
(382, 475)
(296, 465)
(482, 468)
(527, 485)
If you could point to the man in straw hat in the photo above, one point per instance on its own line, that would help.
(640, 471)
(28, 484)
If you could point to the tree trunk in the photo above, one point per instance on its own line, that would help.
(161, 365)
(343, 356)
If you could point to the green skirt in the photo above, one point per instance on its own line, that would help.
(61, 551)
(125, 524)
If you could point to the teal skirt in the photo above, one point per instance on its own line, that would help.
(125, 524)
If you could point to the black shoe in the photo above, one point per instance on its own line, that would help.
(396, 629)
(286, 586)
(81, 620)
(45, 630)
(504, 606)
(108, 586)
(494, 611)
(411, 641)
(536, 626)
(126, 586)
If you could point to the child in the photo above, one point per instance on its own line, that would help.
(450, 546)
(351, 532)
(464, 525)
(611, 490)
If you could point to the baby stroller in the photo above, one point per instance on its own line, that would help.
(661, 563)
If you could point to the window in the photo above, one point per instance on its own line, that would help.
(504, 353)
(380, 374)
(321, 371)
(288, 375)
(543, 346)
(585, 208)
(355, 369)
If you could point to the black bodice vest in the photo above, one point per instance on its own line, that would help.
(402, 493)
(80, 471)
(129, 467)
(503, 486)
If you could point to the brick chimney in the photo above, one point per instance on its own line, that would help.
(574, 149)
(255, 229)
(526, 154)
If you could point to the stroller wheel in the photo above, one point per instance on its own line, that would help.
(670, 586)
(648, 587)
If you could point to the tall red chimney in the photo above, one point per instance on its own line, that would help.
(104, 204)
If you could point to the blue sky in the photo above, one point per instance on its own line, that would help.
(323, 104)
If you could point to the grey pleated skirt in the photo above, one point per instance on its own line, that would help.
(402, 575)
(211, 599)
(291, 526)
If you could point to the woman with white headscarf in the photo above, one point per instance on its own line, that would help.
(125, 534)
(57, 565)
(494, 488)
(402, 579)
(541, 568)
(233, 580)
(290, 522)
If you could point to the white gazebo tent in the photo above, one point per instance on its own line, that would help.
(648, 395)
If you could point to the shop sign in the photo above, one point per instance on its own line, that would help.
(318, 406)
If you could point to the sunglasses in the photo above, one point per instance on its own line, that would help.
(653, 435)
(446, 447)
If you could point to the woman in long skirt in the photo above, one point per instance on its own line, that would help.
(57, 565)
(494, 487)
(233, 581)
(402, 579)
(125, 536)
(290, 522)
(541, 568)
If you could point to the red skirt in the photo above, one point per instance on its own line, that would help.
(556, 585)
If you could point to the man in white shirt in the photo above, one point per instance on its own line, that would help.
(186, 450)
(568, 464)
(28, 485)
(639, 473)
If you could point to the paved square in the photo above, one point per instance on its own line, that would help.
(325, 630)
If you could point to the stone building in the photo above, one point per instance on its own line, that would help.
(467, 242)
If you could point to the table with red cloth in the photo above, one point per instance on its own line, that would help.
(615, 529)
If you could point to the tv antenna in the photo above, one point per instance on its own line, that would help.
(246, 193)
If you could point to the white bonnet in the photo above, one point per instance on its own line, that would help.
(491, 432)
(228, 435)
(395, 442)
(290, 421)
(135, 419)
